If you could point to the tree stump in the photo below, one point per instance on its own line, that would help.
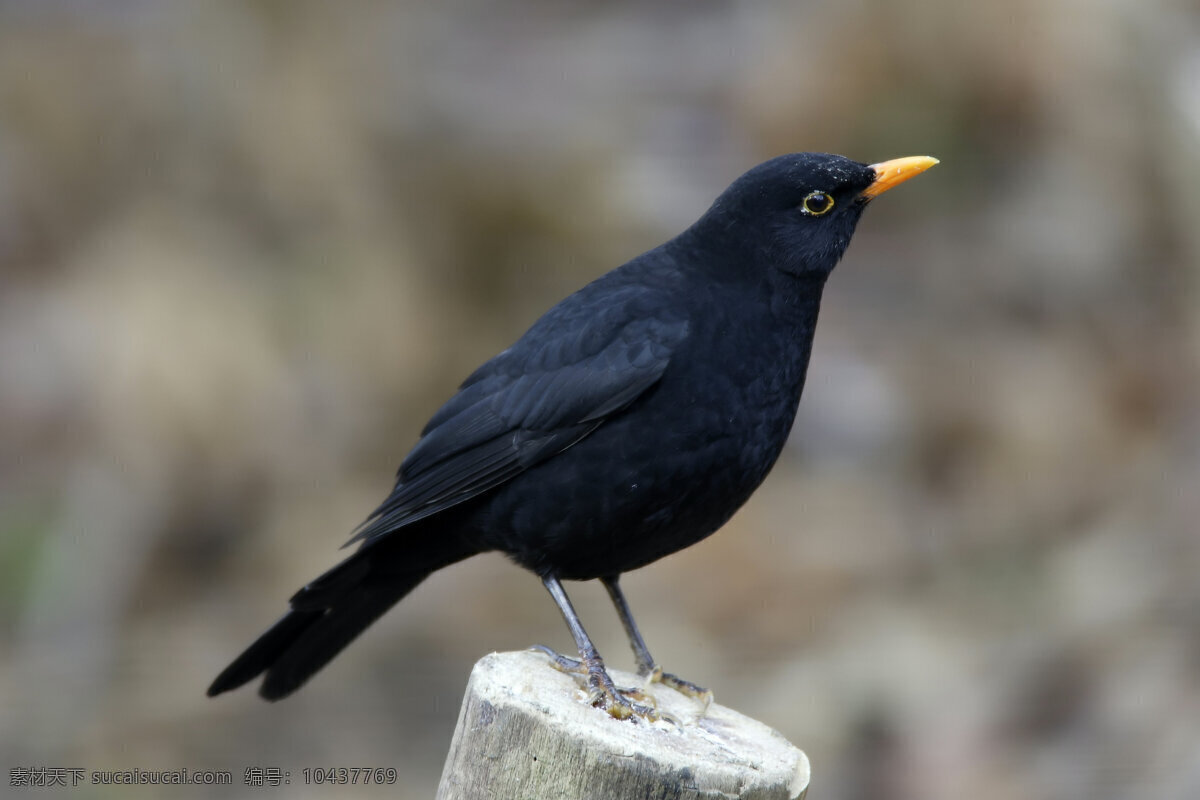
(527, 731)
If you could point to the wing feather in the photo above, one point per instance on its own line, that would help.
(557, 384)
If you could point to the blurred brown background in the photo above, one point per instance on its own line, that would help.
(246, 249)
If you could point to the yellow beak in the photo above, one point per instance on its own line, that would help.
(895, 172)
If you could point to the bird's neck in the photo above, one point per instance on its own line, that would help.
(796, 297)
(726, 261)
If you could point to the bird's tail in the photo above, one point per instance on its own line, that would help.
(325, 616)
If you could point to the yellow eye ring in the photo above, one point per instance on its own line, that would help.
(816, 204)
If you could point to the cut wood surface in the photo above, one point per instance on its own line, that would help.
(527, 731)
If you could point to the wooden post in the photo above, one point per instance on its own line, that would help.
(527, 732)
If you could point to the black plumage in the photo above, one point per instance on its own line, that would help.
(630, 421)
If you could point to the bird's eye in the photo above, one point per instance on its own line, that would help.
(816, 204)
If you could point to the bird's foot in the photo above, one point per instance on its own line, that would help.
(619, 703)
(624, 703)
(571, 666)
(656, 675)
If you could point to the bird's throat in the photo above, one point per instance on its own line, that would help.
(796, 298)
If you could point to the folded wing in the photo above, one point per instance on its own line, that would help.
(576, 367)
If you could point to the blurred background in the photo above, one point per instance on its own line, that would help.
(247, 248)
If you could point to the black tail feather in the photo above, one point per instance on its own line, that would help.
(328, 635)
(265, 651)
(326, 615)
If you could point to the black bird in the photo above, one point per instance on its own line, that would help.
(632, 420)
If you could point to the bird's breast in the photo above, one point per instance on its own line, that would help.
(670, 469)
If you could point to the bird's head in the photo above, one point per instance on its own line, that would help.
(797, 212)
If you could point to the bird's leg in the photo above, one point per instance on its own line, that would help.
(646, 666)
(603, 693)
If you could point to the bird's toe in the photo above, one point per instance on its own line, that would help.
(572, 666)
(685, 687)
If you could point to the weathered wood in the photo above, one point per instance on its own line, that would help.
(526, 731)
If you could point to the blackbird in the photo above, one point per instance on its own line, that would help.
(632, 420)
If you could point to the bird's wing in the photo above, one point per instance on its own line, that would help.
(579, 364)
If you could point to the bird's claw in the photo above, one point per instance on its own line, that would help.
(571, 666)
(619, 703)
(684, 687)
